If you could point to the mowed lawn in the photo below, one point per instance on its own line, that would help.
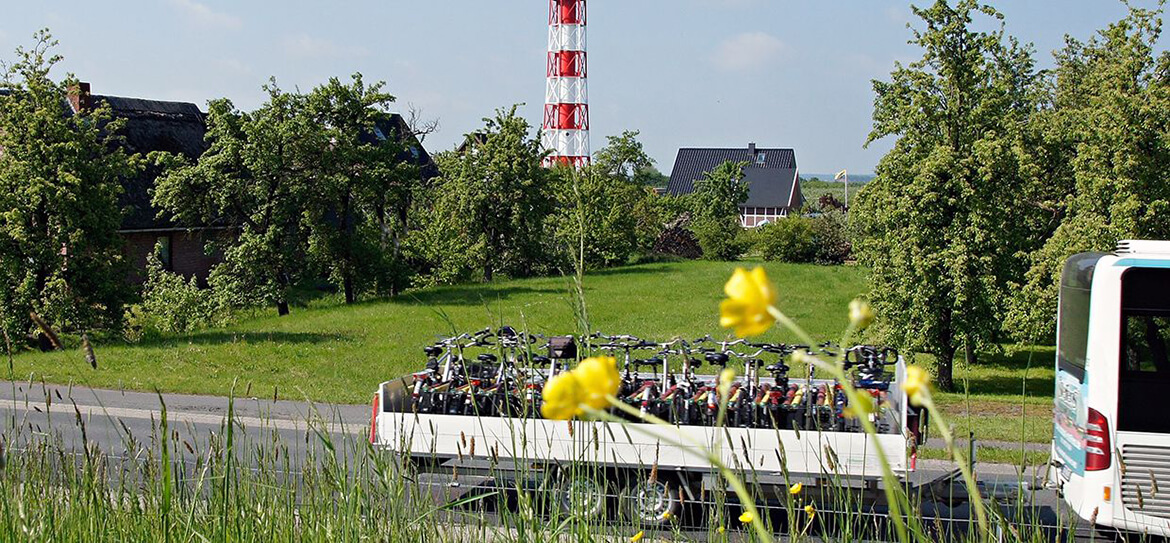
(330, 352)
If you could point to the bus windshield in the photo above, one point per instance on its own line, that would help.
(1145, 342)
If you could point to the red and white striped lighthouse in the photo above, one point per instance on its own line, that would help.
(566, 109)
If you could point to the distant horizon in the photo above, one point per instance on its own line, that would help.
(829, 176)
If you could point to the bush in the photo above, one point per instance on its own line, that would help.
(787, 240)
(172, 304)
(719, 237)
(831, 235)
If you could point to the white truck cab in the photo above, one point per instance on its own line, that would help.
(1111, 443)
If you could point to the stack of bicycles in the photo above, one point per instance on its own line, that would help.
(501, 373)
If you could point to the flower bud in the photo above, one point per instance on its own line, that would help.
(860, 314)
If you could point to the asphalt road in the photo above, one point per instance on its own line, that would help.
(111, 420)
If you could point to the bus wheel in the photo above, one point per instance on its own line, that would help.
(650, 502)
(580, 496)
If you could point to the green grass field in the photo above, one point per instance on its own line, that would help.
(330, 352)
(326, 351)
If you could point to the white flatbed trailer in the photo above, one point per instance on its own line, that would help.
(658, 466)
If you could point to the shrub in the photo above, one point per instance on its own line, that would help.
(787, 240)
(719, 237)
(831, 235)
(173, 304)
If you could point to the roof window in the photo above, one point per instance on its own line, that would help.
(761, 158)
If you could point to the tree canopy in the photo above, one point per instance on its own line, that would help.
(60, 177)
(1106, 147)
(490, 205)
(938, 226)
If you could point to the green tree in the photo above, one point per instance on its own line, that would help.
(938, 226)
(715, 209)
(257, 178)
(624, 157)
(361, 186)
(490, 205)
(60, 177)
(1106, 132)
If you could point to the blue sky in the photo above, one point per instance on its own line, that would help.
(782, 73)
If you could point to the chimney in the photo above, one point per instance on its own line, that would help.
(752, 150)
(80, 98)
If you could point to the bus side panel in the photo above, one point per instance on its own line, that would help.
(1071, 415)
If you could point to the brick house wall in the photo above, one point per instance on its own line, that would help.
(184, 253)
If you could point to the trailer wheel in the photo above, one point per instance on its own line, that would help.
(581, 496)
(651, 502)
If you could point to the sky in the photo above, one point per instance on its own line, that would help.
(685, 73)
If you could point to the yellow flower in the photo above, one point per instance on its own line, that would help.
(746, 517)
(720, 529)
(726, 378)
(917, 383)
(810, 510)
(599, 378)
(666, 515)
(562, 397)
(795, 489)
(749, 295)
(637, 537)
(860, 314)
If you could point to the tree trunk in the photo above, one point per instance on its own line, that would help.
(282, 282)
(347, 228)
(971, 356)
(945, 376)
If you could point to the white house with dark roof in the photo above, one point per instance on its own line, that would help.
(771, 174)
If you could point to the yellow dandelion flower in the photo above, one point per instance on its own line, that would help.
(749, 296)
(637, 537)
(860, 314)
(599, 379)
(795, 489)
(563, 396)
(746, 517)
(917, 383)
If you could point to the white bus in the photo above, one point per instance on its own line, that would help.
(1111, 444)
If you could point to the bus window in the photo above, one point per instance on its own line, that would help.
(1145, 343)
(1073, 333)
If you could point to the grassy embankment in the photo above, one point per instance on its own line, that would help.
(327, 351)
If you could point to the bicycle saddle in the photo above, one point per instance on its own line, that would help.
(433, 350)
(486, 357)
(716, 358)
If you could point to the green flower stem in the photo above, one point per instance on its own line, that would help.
(925, 400)
(791, 325)
(838, 372)
(737, 485)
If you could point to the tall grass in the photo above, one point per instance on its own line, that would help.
(256, 485)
